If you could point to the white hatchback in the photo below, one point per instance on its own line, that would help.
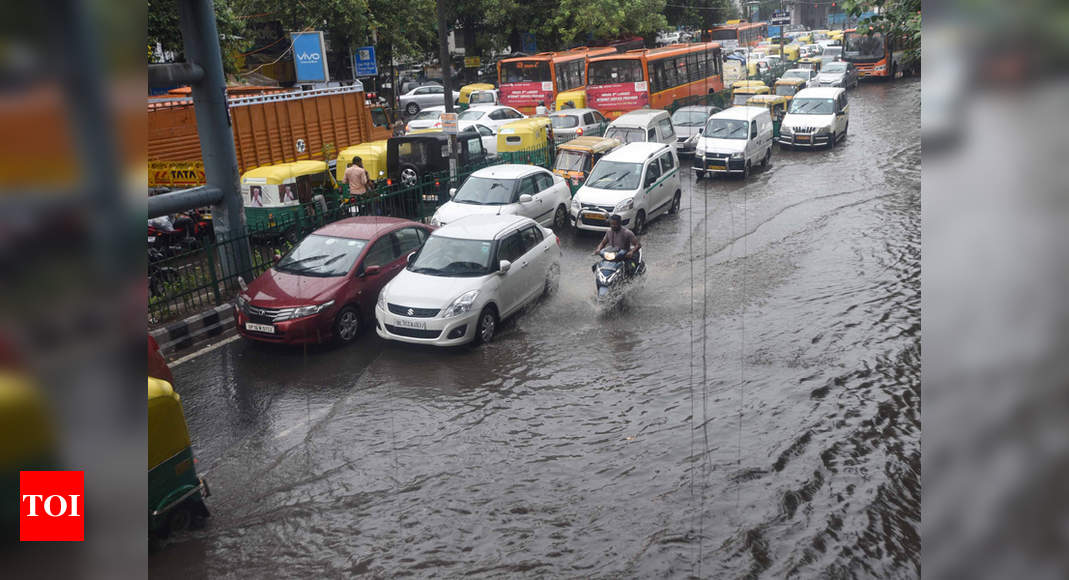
(637, 181)
(509, 189)
(467, 278)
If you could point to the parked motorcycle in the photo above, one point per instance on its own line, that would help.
(613, 270)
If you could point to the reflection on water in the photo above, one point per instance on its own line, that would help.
(751, 407)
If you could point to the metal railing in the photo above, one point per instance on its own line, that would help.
(194, 278)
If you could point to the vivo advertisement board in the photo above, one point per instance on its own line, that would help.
(310, 57)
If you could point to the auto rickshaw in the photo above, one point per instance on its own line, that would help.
(577, 98)
(576, 158)
(740, 94)
(788, 87)
(175, 492)
(777, 107)
(465, 94)
(410, 161)
(28, 441)
(790, 52)
(484, 97)
(526, 141)
(372, 154)
(810, 62)
(282, 193)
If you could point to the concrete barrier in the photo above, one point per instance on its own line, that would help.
(195, 331)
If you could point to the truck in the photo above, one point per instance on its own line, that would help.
(267, 128)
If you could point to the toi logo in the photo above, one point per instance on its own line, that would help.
(51, 506)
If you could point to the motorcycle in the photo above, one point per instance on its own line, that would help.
(613, 270)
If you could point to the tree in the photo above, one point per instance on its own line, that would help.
(899, 19)
(163, 28)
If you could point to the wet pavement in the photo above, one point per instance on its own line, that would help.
(751, 410)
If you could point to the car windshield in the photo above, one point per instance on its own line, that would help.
(832, 51)
(615, 175)
(786, 90)
(471, 115)
(486, 191)
(725, 129)
(741, 98)
(626, 134)
(570, 160)
(796, 74)
(481, 98)
(427, 116)
(835, 67)
(442, 256)
(322, 256)
(812, 106)
(564, 121)
(689, 118)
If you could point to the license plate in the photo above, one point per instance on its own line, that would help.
(596, 217)
(716, 164)
(260, 327)
(410, 324)
(803, 137)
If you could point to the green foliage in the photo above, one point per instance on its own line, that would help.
(163, 28)
(899, 19)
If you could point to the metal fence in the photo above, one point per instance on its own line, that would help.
(193, 280)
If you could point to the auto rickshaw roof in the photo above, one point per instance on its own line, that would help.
(278, 173)
(373, 147)
(752, 90)
(741, 84)
(792, 81)
(167, 431)
(591, 144)
(421, 135)
(530, 123)
(477, 87)
(767, 99)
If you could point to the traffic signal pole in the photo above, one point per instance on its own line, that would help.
(447, 82)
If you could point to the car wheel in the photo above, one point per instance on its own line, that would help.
(560, 219)
(699, 175)
(768, 157)
(674, 208)
(552, 280)
(832, 140)
(409, 175)
(640, 222)
(347, 325)
(484, 331)
(412, 109)
(746, 170)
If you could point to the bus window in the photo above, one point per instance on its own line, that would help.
(605, 72)
(524, 71)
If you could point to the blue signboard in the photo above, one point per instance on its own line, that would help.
(365, 62)
(310, 57)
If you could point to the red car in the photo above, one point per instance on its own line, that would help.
(326, 286)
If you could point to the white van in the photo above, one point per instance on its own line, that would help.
(733, 141)
(643, 126)
(637, 181)
(815, 117)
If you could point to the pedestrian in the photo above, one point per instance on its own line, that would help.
(540, 110)
(356, 177)
(398, 129)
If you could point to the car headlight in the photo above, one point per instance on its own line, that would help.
(575, 206)
(381, 303)
(625, 205)
(785, 130)
(435, 221)
(461, 305)
(737, 155)
(824, 130)
(242, 302)
(310, 310)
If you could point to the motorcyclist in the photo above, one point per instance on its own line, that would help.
(617, 236)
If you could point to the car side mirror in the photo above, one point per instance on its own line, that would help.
(701, 130)
(452, 192)
(526, 198)
(503, 266)
(410, 257)
(372, 270)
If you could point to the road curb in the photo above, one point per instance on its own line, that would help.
(193, 332)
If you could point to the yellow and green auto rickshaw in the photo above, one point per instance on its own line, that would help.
(790, 52)
(787, 88)
(775, 104)
(741, 94)
(28, 442)
(175, 492)
(526, 141)
(576, 158)
(574, 99)
(372, 154)
(283, 193)
(810, 62)
(465, 94)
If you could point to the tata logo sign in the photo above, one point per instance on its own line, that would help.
(51, 506)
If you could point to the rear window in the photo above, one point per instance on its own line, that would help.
(564, 121)
(626, 134)
(607, 72)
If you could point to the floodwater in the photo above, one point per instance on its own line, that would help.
(752, 409)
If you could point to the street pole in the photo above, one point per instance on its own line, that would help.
(447, 82)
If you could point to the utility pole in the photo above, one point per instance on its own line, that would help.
(447, 82)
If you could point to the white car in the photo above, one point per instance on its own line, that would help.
(493, 116)
(807, 74)
(816, 117)
(509, 189)
(468, 277)
(429, 118)
(637, 182)
(488, 135)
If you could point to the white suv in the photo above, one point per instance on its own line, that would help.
(816, 117)
(467, 277)
(637, 181)
(512, 189)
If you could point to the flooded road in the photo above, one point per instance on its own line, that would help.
(751, 410)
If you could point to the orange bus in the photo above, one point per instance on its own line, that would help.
(524, 81)
(657, 78)
(732, 36)
(874, 55)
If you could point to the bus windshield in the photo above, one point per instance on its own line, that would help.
(863, 46)
(607, 72)
(724, 34)
(525, 71)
